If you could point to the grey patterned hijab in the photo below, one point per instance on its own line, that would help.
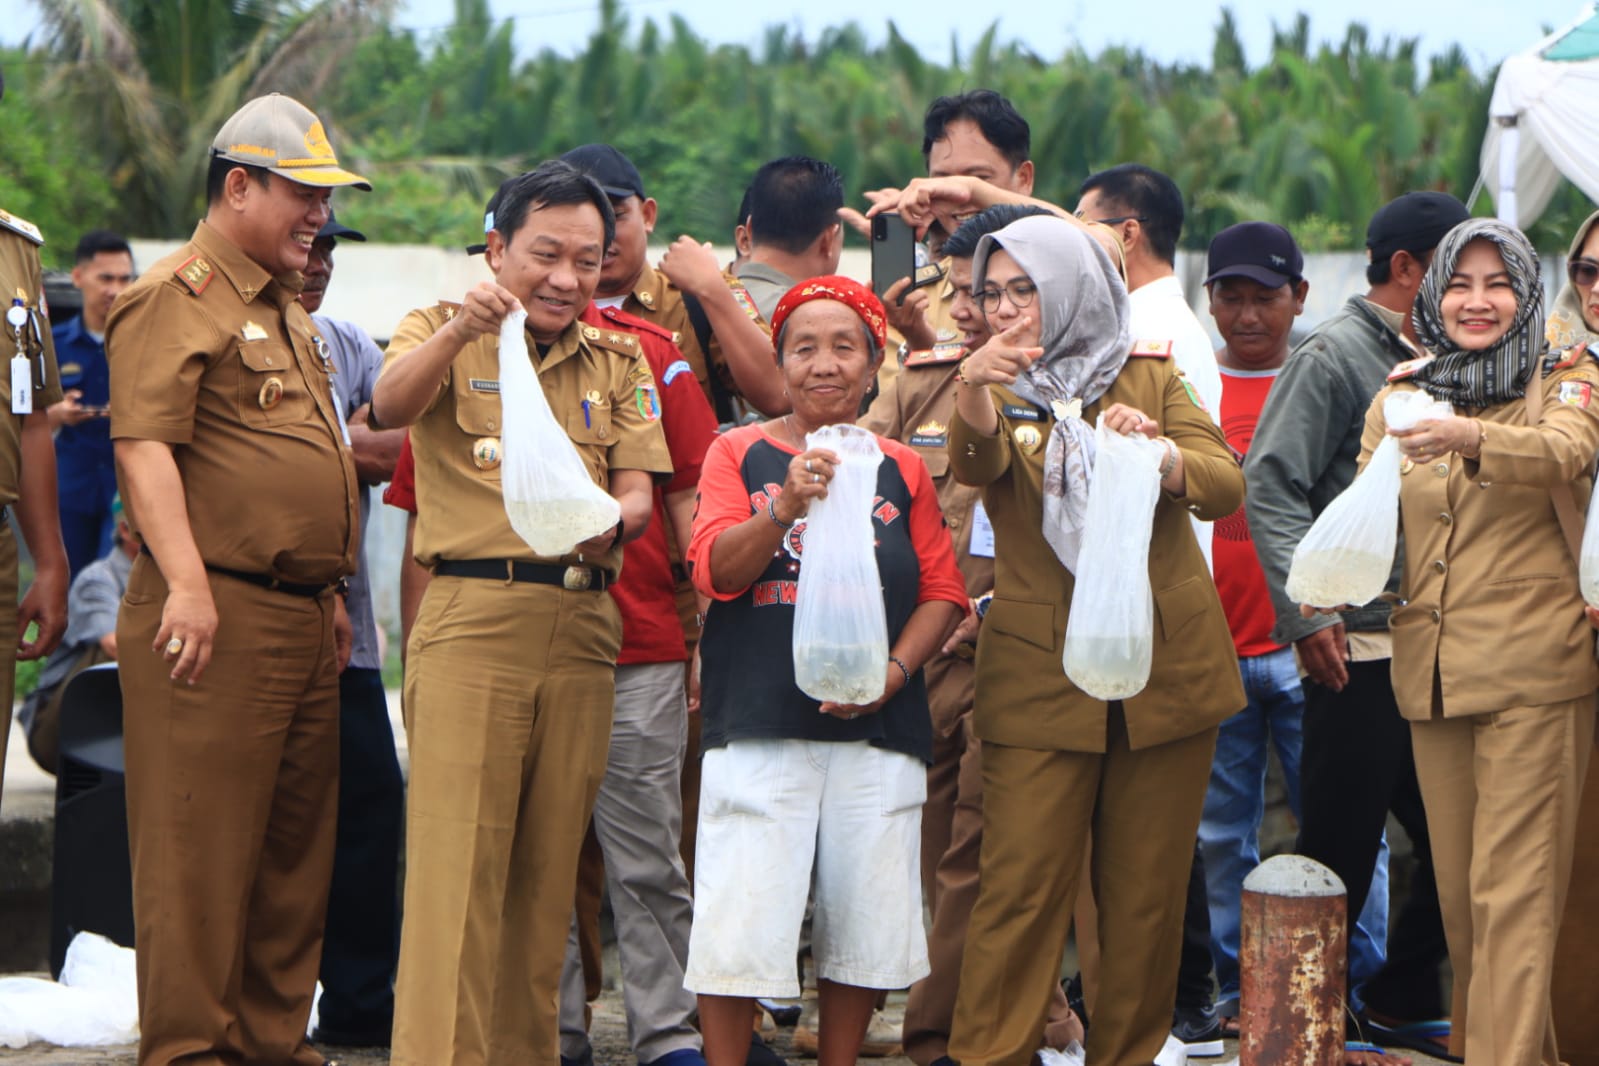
(1567, 327)
(1495, 375)
(1085, 331)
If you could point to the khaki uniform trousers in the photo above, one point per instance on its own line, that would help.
(952, 834)
(8, 636)
(232, 787)
(1576, 996)
(509, 688)
(1502, 792)
(1142, 809)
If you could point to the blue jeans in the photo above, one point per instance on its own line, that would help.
(1235, 802)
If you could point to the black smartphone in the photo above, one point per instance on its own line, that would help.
(896, 254)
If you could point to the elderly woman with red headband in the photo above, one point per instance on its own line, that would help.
(786, 780)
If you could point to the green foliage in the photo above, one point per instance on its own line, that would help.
(1316, 137)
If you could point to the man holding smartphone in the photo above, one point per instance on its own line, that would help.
(85, 470)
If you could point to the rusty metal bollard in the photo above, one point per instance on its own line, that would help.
(1291, 958)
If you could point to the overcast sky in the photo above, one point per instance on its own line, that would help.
(1166, 29)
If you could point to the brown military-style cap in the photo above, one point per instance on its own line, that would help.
(282, 135)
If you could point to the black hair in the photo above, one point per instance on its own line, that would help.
(216, 176)
(550, 184)
(1001, 125)
(1147, 195)
(793, 201)
(963, 245)
(744, 206)
(96, 241)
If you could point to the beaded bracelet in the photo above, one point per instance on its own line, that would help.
(902, 669)
(771, 512)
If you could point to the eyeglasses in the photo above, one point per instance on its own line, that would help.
(1115, 221)
(1020, 292)
(1582, 272)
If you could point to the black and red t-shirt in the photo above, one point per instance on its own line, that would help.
(746, 652)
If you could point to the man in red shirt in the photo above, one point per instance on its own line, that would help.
(1256, 291)
(638, 813)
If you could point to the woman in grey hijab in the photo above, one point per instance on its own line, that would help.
(1056, 760)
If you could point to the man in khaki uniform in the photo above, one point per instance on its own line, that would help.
(510, 672)
(243, 493)
(28, 466)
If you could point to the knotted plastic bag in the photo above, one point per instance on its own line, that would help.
(1348, 554)
(1110, 633)
(840, 629)
(552, 502)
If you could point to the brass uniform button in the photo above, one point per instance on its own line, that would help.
(486, 453)
(1442, 469)
(1438, 565)
(1446, 518)
(601, 432)
(1436, 617)
(271, 394)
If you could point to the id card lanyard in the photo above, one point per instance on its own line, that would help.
(19, 319)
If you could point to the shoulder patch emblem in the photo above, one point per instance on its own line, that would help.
(1193, 393)
(195, 273)
(1408, 367)
(742, 297)
(1576, 393)
(649, 404)
(1152, 349)
(671, 373)
(22, 226)
(449, 310)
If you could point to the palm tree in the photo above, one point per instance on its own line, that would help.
(150, 81)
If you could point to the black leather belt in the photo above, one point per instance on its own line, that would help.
(572, 578)
(266, 581)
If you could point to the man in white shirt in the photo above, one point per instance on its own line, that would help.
(1145, 208)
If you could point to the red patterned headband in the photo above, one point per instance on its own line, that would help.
(847, 291)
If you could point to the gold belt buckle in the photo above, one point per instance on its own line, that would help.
(577, 578)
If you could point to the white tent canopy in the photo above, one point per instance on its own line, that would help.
(1542, 121)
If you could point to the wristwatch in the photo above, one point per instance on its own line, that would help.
(982, 604)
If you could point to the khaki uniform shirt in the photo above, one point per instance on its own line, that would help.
(916, 408)
(1024, 698)
(946, 332)
(21, 279)
(460, 508)
(1492, 603)
(213, 355)
(657, 300)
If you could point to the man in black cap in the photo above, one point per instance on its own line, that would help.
(730, 354)
(1357, 763)
(361, 945)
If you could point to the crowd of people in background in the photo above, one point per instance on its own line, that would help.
(625, 720)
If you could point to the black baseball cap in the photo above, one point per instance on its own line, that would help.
(334, 228)
(615, 173)
(1415, 223)
(1260, 251)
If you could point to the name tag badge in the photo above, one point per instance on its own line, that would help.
(982, 533)
(1026, 414)
(21, 385)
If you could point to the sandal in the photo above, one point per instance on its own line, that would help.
(1365, 1053)
(1430, 1037)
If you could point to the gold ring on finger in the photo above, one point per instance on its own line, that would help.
(175, 646)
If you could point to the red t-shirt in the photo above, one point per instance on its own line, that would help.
(1239, 579)
(646, 592)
